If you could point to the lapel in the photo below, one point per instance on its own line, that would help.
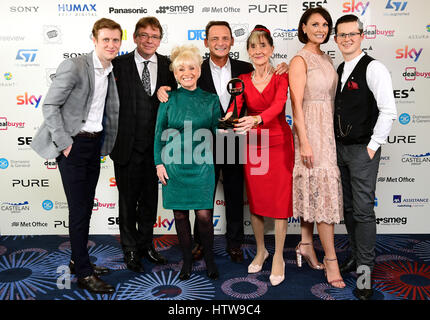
(130, 72)
(91, 80)
(160, 67)
(339, 77)
(207, 77)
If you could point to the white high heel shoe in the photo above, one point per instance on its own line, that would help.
(254, 268)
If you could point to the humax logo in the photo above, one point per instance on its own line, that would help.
(47, 205)
(404, 118)
(77, 7)
(28, 55)
(196, 34)
(405, 53)
(355, 7)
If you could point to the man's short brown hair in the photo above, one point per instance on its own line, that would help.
(105, 23)
(148, 21)
(217, 23)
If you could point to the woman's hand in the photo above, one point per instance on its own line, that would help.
(227, 115)
(246, 123)
(307, 156)
(162, 174)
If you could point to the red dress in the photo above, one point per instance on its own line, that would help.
(269, 165)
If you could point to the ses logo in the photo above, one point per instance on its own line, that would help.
(402, 202)
(4, 124)
(48, 205)
(416, 159)
(285, 34)
(371, 32)
(355, 7)
(406, 53)
(402, 96)
(411, 74)
(77, 9)
(15, 207)
(313, 4)
(175, 9)
(196, 34)
(27, 99)
(396, 8)
(268, 8)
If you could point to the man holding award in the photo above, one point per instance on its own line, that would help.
(216, 72)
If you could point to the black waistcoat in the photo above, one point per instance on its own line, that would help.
(146, 116)
(356, 110)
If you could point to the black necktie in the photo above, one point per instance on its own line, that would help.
(146, 80)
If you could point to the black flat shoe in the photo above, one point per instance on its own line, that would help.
(153, 256)
(185, 273)
(131, 258)
(236, 255)
(95, 285)
(98, 271)
(363, 294)
(213, 274)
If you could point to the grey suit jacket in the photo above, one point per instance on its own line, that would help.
(67, 105)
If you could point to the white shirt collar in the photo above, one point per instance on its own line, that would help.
(98, 64)
(355, 60)
(227, 64)
(140, 59)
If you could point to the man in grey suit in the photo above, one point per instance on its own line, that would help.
(80, 124)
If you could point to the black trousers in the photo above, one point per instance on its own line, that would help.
(359, 174)
(137, 184)
(79, 173)
(233, 182)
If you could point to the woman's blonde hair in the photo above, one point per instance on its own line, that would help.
(185, 55)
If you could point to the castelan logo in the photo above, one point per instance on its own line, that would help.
(355, 7)
(416, 159)
(405, 53)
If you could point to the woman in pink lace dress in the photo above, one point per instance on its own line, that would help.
(317, 189)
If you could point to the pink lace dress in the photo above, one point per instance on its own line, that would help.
(317, 192)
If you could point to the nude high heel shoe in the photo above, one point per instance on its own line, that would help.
(276, 280)
(254, 268)
(299, 255)
(340, 283)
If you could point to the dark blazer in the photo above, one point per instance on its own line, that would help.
(206, 82)
(125, 71)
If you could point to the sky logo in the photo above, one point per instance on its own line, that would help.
(4, 163)
(406, 53)
(353, 6)
(47, 205)
(28, 55)
(404, 118)
(26, 99)
(396, 5)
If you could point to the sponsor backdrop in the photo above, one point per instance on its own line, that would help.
(37, 35)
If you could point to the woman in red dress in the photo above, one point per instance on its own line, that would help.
(270, 150)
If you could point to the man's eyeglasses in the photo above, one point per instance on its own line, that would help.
(350, 35)
(145, 36)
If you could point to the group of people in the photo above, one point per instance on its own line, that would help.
(322, 171)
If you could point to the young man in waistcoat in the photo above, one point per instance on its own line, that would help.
(139, 74)
(364, 114)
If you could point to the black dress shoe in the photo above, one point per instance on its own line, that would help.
(153, 256)
(197, 252)
(98, 271)
(132, 260)
(236, 254)
(95, 284)
(363, 294)
(213, 274)
(185, 273)
(349, 265)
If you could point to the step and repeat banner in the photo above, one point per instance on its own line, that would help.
(36, 36)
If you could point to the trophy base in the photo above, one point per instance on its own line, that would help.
(227, 124)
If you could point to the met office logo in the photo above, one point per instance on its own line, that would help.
(48, 205)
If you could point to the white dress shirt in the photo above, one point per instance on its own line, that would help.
(95, 115)
(221, 76)
(379, 81)
(152, 67)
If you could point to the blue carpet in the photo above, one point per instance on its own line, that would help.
(30, 269)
